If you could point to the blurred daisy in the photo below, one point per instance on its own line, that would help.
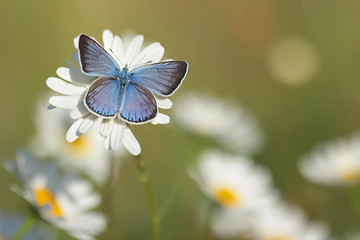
(86, 153)
(287, 223)
(239, 186)
(10, 224)
(73, 83)
(336, 163)
(233, 181)
(63, 202)
(232, 223)
(225, 122)
(292, 61)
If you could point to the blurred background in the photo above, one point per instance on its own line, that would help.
(293, 64)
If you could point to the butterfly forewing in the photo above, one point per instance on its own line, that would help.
(102, 98)
(161, 78)
(138, 104)
(94, 59)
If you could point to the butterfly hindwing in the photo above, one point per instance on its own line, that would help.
(102, 98)
(94, 58)
(162, 78)
(138, 104)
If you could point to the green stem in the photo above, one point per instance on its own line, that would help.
(25, 227)
(144, 177)
(209, 214)
(108, 200)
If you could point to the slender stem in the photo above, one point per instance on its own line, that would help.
(25, 227)
(108, 200)
(209, 214)
(144, 177)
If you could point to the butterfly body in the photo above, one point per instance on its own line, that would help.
(124, 93)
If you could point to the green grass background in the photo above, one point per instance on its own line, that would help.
(225, 43)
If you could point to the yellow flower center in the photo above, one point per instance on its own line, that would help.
(226, 196)
(280, 237)
(80, 148)
(351, 176)
(44, 196)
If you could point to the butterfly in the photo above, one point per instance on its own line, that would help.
(120, 92)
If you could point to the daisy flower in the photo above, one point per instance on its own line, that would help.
(74, 83)
(336, 163)
(233, 181)
(63, 202)
(239, 187)
(9, 225)
(288, 223)
(232, 223)
(225, 122)
(86, 153)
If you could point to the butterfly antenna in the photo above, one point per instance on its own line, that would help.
(141, 64)
(116, 57)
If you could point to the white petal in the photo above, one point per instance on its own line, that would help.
(164, 103)
(107, 143)
(73, 133)
(117, 134)
(105, 127)
(82, 226)
(60, 86)
(76, 42)
(87, 123)
(79, 112)
(152, 53)
(118, 48)
(161, 119)
(73, 74)
(130, 142)
(133, 49)
(64, 101)
(108, 38)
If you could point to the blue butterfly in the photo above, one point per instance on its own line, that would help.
(127, 93)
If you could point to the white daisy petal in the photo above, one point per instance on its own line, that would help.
(117, 133)
(79, 112)
(163, 103)
(152, 53)
(60, 86)
(133, 49)
(68, 102)
(105, 127)
(72, 74)
(76, 42)
(108, 39)
(87, 123)
(118, 48)
(288, 222)
(130, 143)
(107, 143)
(161, 119)
(73, 132)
